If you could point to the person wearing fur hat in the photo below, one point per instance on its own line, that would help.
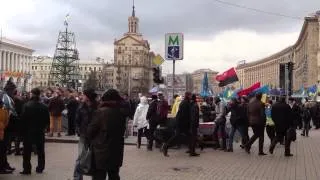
(105, 133)
(84, 115)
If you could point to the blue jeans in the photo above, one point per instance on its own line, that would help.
(77, 175)
(241, 130)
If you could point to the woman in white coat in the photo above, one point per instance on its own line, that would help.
(140, 120)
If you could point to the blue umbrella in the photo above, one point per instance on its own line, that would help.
(154, 90)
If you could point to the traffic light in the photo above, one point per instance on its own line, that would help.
(156, 76)
(290, 67)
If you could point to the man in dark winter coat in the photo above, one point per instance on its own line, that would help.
(238, 122)
(257, 120)
(35, 119)
(72, 106)
(56, 106)
(282, 116)
(162, 109)
(153, 119)
(296, 113)
(194, 125)
(183, 120)
(84, 115)
(105, 133)
(19, 102)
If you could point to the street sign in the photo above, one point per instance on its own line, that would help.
(158, 60)
(174, 46)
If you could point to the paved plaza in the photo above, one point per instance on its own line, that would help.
(140, 164)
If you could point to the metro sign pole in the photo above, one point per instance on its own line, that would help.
(174, 51)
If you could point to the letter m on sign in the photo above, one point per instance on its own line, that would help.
(173, 41)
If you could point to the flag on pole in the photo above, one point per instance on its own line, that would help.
(205, 90)
(227, 77)
(247, 91)
(66, 19)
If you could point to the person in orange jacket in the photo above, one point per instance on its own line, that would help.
(4, 120)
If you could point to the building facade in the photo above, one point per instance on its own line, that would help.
(132, 61)
(197, 77)
(15, 61)
(41, 66)
(305, 54)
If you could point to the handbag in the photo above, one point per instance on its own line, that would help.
(86, 161)
(291, 134)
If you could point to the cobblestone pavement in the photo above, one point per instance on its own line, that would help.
(140, 164)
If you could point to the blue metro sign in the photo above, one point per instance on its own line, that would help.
(174, 46)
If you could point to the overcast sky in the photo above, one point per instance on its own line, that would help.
(217, 36)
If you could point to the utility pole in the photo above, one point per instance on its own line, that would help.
(173, 71)
(286, 72)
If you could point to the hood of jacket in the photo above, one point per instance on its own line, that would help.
(143, 100)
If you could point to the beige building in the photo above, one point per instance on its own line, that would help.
(132, 61)
(41, 66)
(305, 54)
(15, 60)
(197, 77)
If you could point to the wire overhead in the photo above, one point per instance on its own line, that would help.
(258, 10)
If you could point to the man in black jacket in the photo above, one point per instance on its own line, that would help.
(72, 106)
(153, 119)
(183, 120)
(238, 121)
(84, 116)
(194, 125)
(296, 113)
(35, 118)
(282, 116)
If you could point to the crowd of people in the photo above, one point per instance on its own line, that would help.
(101, 124)
(278, 118)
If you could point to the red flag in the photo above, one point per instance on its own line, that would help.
(227, 77)
(247, 91)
